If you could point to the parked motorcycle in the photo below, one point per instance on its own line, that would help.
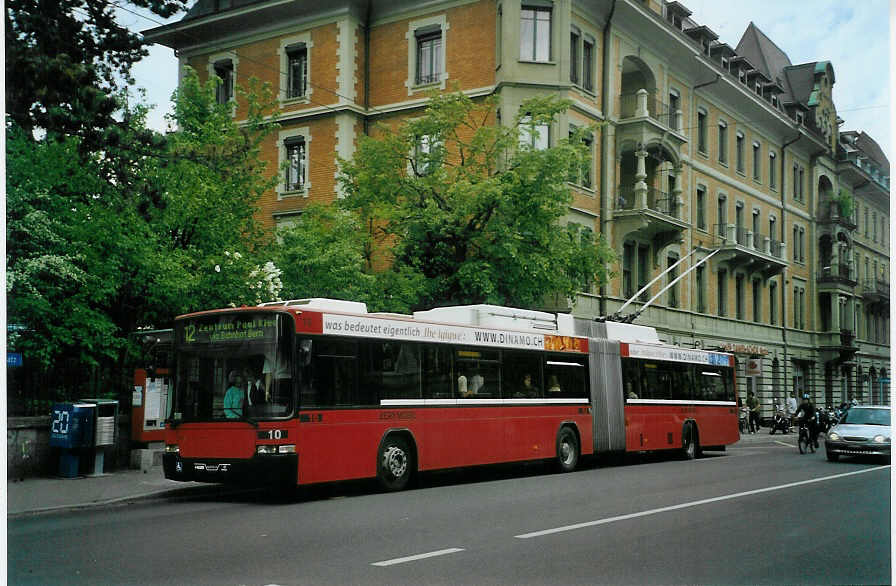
(780, 422)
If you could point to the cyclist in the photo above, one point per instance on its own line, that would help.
(806, 412)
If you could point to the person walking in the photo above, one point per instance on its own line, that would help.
(753, 406)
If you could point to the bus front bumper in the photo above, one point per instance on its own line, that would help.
(259, 470)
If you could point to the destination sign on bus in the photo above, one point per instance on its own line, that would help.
(362, 327)
(228, 329)
(674, 354)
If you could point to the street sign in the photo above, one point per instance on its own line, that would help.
(13, 359)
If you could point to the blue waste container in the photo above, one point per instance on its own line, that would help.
(71, 430)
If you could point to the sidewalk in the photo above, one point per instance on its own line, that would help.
(44, 495)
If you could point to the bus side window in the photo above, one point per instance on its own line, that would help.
(566, 376)
(334, 381)
(437, 382)
(390, 370)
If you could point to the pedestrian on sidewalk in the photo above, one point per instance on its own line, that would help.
(753, 406)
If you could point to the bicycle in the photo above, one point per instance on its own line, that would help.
(805, 442)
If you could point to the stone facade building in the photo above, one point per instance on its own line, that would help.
(706, 149)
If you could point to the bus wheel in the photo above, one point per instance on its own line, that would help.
(567, 450)
(395, 463)
(690, 445)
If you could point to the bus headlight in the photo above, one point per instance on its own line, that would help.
(274, 449)
(880, 439)
(172, 448)
(833, 436)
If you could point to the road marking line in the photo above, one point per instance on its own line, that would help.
(785, 444)
(419, 556)
(691, 504)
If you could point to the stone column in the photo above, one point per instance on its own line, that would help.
(641, 175)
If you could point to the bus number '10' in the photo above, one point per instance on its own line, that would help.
(273, 434)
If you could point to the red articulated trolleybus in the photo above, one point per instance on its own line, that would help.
(319, 390)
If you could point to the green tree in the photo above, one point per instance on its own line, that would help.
(137, 232)
(67, 60)
(469, 211)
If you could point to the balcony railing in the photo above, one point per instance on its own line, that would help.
(658, 201)
(879, 287)
(835, 272)
(655, 109)
(731, 234)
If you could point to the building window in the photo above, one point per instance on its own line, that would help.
(643, 270)
(739, 146)
(672, 291)
(772, 176)
(874, 226)
(297, 71)
(866, 223)
(796, 237)
(757, 300)
(723, 215)
(701, 131)
(225, 72)
(583, 175)
(628, 260)
(773, 303)
(701, 289)
(739, 297)
(801, 183)
(574, 56)
(535, 34)
(757, 169)
(427, 154)
(429, 55)
(296, 163)
(723, 142)
(499, 40)
(701, 207)
(802, 244)
(674, 107)
(588, 64)
(757, 237)
(772, 228)
(722, 292)
(532, 135)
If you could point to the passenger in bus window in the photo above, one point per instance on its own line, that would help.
(462, 389)
(528, 390)
(476, 383)
(554, 384)
(630, 391)
(235, 395)
(254, 386)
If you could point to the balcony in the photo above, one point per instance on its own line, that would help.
(837, 274)
(649, 213)
(837, 346)
(743, 249)
(876, 291)
(646, 120)
(830, 215)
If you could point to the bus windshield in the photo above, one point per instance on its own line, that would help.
(234, 366)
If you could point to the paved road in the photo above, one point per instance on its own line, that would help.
(756, 515)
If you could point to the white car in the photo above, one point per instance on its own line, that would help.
(861, 431)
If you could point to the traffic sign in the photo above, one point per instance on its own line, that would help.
(13, 359)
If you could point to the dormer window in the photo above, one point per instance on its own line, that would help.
(724, 63)
(799, 118)
(742, 76)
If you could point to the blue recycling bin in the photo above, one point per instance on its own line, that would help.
(71, 430)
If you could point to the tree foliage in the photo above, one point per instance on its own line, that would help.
(138, 232)
(465, 210)
(67, 60)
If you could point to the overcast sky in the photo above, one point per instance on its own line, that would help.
(853, 36)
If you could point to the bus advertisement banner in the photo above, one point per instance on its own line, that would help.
(388, 329)
(673, 354)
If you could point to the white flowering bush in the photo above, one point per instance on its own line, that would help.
(247, 282)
